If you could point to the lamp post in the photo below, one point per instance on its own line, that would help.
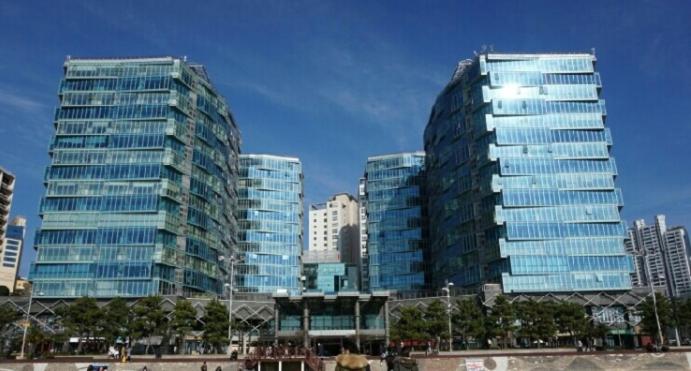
(27, 321)
(652, 292)
(447, 289)
(229, 287)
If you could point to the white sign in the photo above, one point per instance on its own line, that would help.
(474, 364)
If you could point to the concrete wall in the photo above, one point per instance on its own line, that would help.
(591, 362)
(160, 366)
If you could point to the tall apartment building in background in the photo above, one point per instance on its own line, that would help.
(11, 252)
(6, 192)
(667, 251)
(270, 216)
(396, 226)
(141, 185)
(520, 178)
(363, 262)
(333, 226)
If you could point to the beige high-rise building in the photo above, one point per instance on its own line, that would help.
(334, 226)
(6, 191)
(11, 252)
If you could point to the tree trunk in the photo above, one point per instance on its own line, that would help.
(148, 344)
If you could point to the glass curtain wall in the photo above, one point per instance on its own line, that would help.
(141, 185)
(270, 215)
(395, 221)
(521, 180)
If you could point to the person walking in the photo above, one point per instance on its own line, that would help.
(204, 368)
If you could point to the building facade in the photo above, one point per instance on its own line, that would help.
(270, 216)
(520, 177)
(363, 263)
(396, 232)
(141, 185)
(334, 226)
(661, 256)
(11, 252)
(324, 271)
(6, 191)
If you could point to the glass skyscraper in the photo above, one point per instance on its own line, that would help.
(141, 186)
(520, 178)
(393, 188)
(270, 214)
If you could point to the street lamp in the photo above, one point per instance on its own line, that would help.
(229, 287)
(447, 289)
(652, 292)
(27, 321)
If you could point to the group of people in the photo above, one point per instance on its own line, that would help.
(206, 368)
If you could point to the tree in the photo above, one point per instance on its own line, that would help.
(597, 330)
(38, 338)
(148, 319)
(410, 325)
(468, 320)
(82, 318)
(570, 318)
(4, 291)
(683, 315)
(8, 315)
(115, 321)
(647, 312)
(184, 319)
(216, 325)
(437, 321)
(501, 320)
(536, 319)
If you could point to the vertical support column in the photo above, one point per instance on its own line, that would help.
(386, 322)
(305, 323)
(280, 365)
(276, 319)
(357, 324)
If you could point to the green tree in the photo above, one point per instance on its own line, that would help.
(468, 320)
(536, 319)
(216, 325)
(4, 291)
(116, 320)
(570, 318)
(436, 321)
(38, 339)
(148, 319)
(501, 320)
(684, 315)
(8, 315)
(184, 319)
(597, 330)
(82, 319)
(410, 325)
(647, 312)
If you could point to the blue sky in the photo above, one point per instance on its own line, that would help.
(335, 82)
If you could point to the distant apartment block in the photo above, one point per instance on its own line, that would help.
(364, 258)
(270, 217)
(6, 191)
(140, 189)
(333, 226)
(668, 255)
(11, 252)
